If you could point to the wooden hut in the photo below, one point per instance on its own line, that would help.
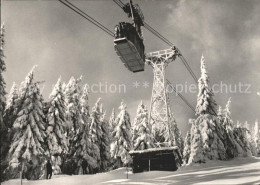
(163, 159)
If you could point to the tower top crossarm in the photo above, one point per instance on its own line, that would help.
(167, 55)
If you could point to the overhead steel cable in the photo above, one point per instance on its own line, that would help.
(184, 61)
(180, 95)
(156, 33)
(86, 16)
(119, 3)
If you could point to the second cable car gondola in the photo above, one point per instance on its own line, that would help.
(128, 41)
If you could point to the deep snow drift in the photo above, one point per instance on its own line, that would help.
(236, 171)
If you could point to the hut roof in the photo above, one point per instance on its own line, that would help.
(154, 150)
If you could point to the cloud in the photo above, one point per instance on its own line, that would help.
(227, 33)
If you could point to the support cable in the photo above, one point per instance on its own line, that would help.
(182, 97)
(86, 16)
(119, 3)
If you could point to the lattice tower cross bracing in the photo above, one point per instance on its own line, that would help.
(160, 117)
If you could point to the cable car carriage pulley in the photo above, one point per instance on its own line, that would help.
(128, 41)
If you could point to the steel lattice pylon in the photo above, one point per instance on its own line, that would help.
(160, 112)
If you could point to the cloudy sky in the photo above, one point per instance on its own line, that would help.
(48, 34)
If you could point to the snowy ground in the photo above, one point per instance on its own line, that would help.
(238, 171)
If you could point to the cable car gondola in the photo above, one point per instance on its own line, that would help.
(128, 41)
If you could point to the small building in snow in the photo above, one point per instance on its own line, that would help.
(161, 159)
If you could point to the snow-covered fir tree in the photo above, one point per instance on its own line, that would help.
(83, 149)
(2, 82)
(11, 105)
(187, 146)
(177, 139)
(238, 125)
(205, 140)
(28, 141)
(196, 152)
(256, 137)
(9, 118)
(213, 146)
(12, 97)
(73, 92)
(64, 85)
(111, 123)
(240, 134)
(142, 137)
(23, 89)
(56, 131)
(3, 126)
(85, 105)
(227, 121)
(220, 127)
(122, 135)
(104, 142)
(206, 103)
(95, 133)
(112, 119)
(72, 97)
(233, 149)
(220, 112)
(246, 125)
(249, 139)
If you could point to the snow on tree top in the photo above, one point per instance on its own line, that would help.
(28, 77)
(205, 101)
(122, 106)
(12, 95)
(220, 111)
